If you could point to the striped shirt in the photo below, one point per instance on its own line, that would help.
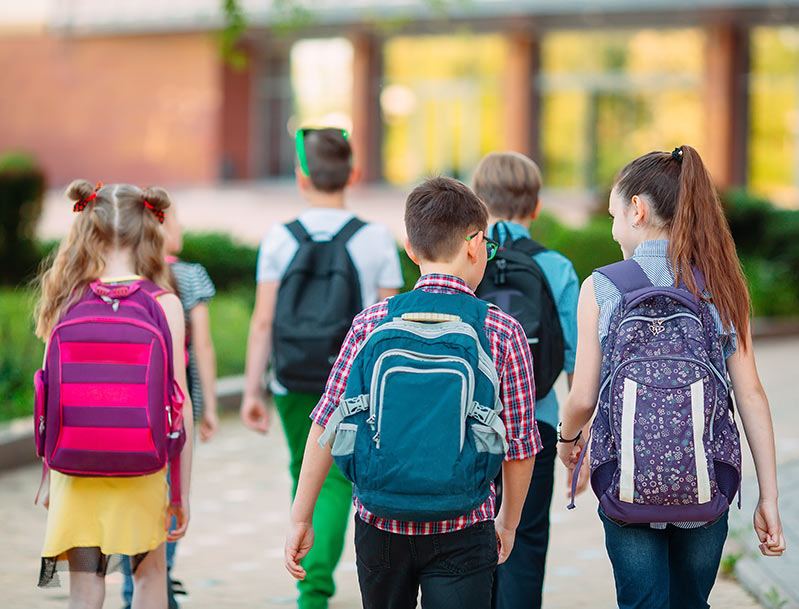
(194, 287)
(652, 257)
(514, 365)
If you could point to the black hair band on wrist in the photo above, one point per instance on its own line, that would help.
(568, 441)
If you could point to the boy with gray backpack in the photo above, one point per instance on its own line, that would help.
(314, 275)
(430, 397)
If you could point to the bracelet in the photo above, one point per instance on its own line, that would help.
(571, 441)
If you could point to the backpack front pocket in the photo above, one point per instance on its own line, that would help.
(413, 431)
(39, 415)
(662, 453)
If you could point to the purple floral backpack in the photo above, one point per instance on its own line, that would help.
(664, 444)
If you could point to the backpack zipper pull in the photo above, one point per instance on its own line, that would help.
(376, 439)
(41, 424)
(371, 421)
(112, 301)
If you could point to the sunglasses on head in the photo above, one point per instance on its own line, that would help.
(299, 142)
(491, 245)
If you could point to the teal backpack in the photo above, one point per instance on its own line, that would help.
(418, 429)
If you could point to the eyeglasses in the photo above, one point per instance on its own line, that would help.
(491, 245)
(299, 144)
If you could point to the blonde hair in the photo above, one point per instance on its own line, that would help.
(115, 218)
(508, 183)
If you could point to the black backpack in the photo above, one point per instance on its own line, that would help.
(516, 284)
(319, 295)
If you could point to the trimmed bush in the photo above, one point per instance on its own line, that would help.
(228, 263)
(21, 192)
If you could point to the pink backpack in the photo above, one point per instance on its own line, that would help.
(106, 402)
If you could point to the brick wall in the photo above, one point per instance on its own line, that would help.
(137, 109)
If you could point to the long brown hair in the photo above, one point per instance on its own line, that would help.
(686, 203)
(115, 218)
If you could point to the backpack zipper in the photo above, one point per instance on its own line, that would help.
(659, 320)
(485, 363)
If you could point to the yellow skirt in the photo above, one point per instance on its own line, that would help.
(117, 515)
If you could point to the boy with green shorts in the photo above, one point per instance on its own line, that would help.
(314, 275)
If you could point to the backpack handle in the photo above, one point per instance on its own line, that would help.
(115, 291)
(425, 317)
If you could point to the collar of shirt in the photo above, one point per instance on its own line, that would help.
(656, 248)
(438, 282)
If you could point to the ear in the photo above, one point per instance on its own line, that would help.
(303, 181)
(355, 176)
(640, 210)
(536, 210)
(473, 247)
(409, 251)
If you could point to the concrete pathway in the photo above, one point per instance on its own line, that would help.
(232, 555)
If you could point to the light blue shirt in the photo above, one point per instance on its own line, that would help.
(565, 287)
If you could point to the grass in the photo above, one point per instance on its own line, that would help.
(20, 355)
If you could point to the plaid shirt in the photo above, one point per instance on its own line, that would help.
(514, 364)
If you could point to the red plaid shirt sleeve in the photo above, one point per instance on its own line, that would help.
(362, 325)
(517, 386)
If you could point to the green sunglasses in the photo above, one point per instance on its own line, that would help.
(299, 142)
(491, 245)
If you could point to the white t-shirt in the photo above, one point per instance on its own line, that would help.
(372, 249)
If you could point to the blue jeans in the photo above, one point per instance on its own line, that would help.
(671, 568)
(520, 579)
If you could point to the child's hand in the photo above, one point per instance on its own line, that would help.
(769, 528)
(569, 452)
(298, 543)
(254, 414)
(505, 539)
(181, 514)
(208, 425)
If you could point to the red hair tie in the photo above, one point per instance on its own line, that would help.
(81, 205)
(158, 213)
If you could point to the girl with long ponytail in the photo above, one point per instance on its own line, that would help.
(668, 219)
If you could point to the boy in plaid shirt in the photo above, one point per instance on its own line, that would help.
(453, 561)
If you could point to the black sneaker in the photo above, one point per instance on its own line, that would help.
(174, 588)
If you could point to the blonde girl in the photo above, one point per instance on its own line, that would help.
(116, 237)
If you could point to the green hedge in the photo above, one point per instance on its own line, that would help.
(20, 356)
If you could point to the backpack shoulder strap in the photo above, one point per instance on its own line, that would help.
(348, 230)
(531, 247)
(626, 275)
(298, 231)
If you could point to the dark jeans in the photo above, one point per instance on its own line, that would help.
(520, 579)
(664, 569)
(453, 569)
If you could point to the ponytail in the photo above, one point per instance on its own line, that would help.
(700, 237)
(685, 201)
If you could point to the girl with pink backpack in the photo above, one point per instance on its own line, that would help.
(664, 339)
(110, 396)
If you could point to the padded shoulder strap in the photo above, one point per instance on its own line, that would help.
(348, 230)
(527, 246)
(298, 231)
(626, 275)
